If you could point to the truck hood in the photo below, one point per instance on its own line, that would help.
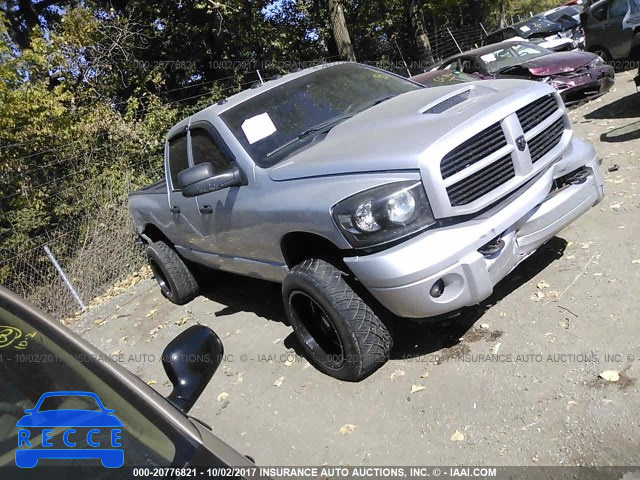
(409, 129)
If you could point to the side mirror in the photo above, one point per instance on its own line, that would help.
(190, 360)
(202, 179)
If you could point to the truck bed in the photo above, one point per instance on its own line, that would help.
(157, 188)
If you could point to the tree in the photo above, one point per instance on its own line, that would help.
(503, 13)
(416, 19)
(340, 31)
(21, 17)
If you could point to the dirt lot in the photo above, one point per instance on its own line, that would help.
(565, 316)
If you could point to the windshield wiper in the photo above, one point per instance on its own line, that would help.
(322, 127)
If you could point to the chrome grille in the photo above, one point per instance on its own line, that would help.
(471, 186)
(482, 182)
(543, 143)
(536, 112)
(472, 151)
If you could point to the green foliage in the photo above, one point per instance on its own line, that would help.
(86, 96)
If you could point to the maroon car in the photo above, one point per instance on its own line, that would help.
(578, 76)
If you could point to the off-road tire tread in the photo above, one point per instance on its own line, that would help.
(372, 337)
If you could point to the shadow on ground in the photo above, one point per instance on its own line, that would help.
(415, 339)
(627, 107)
(622, 134)
(412, 338)
(243, 294)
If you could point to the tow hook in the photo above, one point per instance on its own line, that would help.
(579, 177)
(493, 247)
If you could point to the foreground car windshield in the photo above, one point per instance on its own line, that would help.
(273, 125)
(511, 55)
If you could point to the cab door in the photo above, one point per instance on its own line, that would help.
(183, 229)
(225, 217)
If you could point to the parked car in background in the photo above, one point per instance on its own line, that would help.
(556, 14)
(365, 195)
(43, 361)
(578, 76)
(439, 78)
(548, 34)
(612, 28)
(568, 16)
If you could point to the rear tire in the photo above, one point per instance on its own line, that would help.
(176, 281)
(340, 334)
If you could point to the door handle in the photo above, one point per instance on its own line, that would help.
(206, 209)
(174, 209)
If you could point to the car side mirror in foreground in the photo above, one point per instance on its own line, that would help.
(201, 179)
(190, 360)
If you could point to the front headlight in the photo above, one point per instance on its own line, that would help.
(596, 62)
(383, 214)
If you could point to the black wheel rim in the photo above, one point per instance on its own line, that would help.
(318, 332)
(160, 278)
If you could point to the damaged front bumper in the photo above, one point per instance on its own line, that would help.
(594, 84)
(462, 263)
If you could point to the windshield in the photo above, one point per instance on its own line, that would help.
(510, 55)
(536, 25)
(274, 124)
(33, 361)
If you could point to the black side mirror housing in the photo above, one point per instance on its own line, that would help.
(201, 179)
(190, 360)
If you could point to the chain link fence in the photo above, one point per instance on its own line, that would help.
(94, 252)
(444, 42)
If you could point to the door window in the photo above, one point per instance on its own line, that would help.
(205, 149)
(178, 159)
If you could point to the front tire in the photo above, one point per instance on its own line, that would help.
(340, 334)
(174, 278)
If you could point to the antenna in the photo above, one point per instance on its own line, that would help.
(260, 77)
(402, 57)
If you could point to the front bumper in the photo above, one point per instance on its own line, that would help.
(401, 277)
(589, 86)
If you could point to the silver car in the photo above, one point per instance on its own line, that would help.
(364, 193)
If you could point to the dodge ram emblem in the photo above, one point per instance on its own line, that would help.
(521, 143)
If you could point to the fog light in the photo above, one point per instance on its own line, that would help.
(437, 289)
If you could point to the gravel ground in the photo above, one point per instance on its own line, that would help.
(560, 320)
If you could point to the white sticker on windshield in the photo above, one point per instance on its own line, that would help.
(489, 57)
(525, 29)
(258, 128)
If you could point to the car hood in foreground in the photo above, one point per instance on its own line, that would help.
(561, 62)
(416, 127)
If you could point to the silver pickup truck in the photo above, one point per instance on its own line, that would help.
(362, 193)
